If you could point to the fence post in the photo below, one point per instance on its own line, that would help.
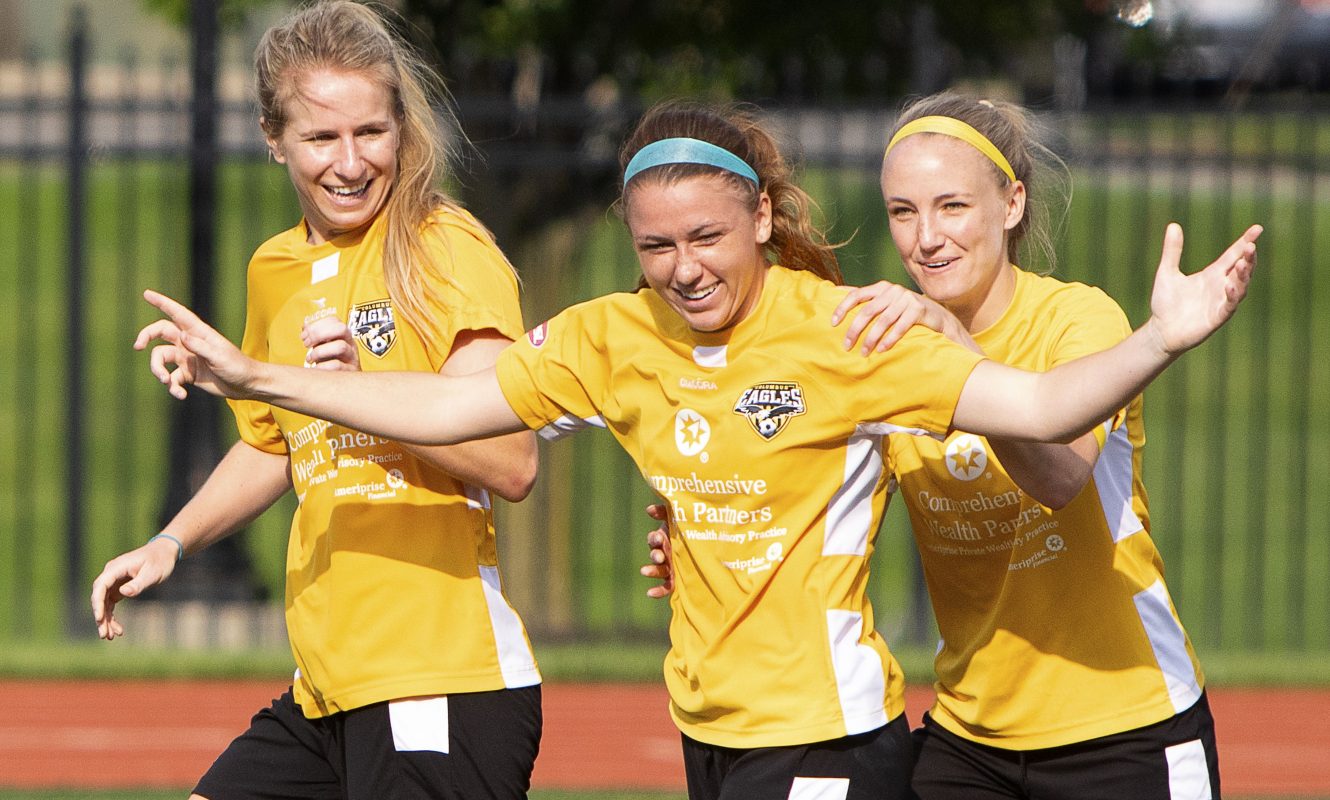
(222, 572)
(76, 621)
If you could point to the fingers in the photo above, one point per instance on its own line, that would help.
(159, 329)
(1171, 259)
(657, 511)
(179, 314)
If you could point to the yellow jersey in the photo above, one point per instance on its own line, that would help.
(1056, 626)
(765, 441)
(393, 586)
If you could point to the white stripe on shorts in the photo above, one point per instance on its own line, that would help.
(820, 789)
(1188, 775)
(419, 723)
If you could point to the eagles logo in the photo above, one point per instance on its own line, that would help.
(372, 325)
(769, 407)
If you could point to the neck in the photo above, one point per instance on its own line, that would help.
(979, 314)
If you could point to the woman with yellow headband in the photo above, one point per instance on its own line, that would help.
(1064, 670)
(723, 380)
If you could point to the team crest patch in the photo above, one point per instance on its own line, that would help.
(372, 325)
(769, 407)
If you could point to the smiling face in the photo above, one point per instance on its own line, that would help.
(700, 246)
(949, 218)
(340, 148)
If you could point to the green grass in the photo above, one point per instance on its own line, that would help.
(1231, 465)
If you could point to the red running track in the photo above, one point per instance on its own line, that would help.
(132, 734)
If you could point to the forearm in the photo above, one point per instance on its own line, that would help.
(1065, 402)
(504, 465)
(245, 483)
(1052, 474)
(409, 407)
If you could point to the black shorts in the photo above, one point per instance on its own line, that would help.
(463, 746)
(1171, 760)
(873, 765)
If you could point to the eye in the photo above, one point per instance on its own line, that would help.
(900, 212)
(953, 205)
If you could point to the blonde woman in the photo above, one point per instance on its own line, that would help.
(415, 675)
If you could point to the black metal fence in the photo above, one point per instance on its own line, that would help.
(93, 188)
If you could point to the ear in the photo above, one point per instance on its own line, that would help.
(274, 147)
(762, 218)
(1015, 205)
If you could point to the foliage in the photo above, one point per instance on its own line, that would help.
(741, 48)
(231, 13)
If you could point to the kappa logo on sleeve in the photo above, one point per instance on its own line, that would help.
(770, 406)
(372, 325)
(537, 335)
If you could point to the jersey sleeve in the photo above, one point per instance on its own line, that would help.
(911, 388)
(475, 289)
(254, 419)
(552, 378)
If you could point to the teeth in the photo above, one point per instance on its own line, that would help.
(697, 295)
(347, 191)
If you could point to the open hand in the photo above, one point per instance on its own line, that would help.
(885, 311)
(1186, 309)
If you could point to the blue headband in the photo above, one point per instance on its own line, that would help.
(687, 151)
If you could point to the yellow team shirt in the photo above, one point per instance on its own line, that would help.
(392, 585)
(1056, 627)
(765, 442)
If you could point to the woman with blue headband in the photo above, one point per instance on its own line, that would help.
(1064, 670)
(724, 381)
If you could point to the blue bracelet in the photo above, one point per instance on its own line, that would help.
(180, 548)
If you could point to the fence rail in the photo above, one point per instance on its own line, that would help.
(1233, 465)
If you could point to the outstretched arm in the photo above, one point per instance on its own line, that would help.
(1065, 402)
(504, 465)
(414, 407)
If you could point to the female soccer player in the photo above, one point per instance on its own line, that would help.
(725, 383)
(416, 677)
(1064, 670)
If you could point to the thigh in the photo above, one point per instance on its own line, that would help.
(874, 765)
(951, 767)
(283, 756)
(1171, 760)
(471, 746)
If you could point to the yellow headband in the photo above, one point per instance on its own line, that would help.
(950, 126)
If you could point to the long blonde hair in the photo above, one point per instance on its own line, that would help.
(796, 243)
(350, 36)
(1017, 134)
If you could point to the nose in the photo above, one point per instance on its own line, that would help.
(348, 162)
(929, 233)
(687, 266)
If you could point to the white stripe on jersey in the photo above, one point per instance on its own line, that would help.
(1169, 644)
(850, 512)
(860, 681)
(1113, 479)
(567, 425)
(516, 661)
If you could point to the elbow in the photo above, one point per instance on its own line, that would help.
(1057, 498)
(517, 481)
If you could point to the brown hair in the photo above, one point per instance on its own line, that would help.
(796, 243)
(1014, 131)
(350, 36)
